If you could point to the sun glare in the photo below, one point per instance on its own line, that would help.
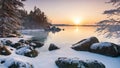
(77, 21)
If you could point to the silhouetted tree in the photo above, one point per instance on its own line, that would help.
(9, 16)
(23, 13)
(111, 26)
(38, 15)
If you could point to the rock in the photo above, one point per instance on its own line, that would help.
(32, 53)
(27, 51)
(22, 41)
(79, 42)
(53, 47)
(84, 45)
(64, 62)
(8, 42)
(106, 48)
(36, 44)
(53, 29)
(16, 45)
(12, 35)
(32, 43)
(4, 50)
(119, 49)
(13, 63)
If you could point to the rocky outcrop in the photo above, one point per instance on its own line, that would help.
(106, 48)
(84, 45)
(64, 62)
(13, 63)
(53, 47)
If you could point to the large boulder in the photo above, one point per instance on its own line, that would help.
(64, 62)
(106, 48)
(13, 63)
(52, 47)
(84, 45)
(4, 50)
(27, 51)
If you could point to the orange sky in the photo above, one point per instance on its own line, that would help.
(64, 11)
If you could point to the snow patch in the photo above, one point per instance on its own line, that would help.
(7, 62)
(100, 45)
(23, 50)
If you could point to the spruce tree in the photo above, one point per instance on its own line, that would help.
(9, 16)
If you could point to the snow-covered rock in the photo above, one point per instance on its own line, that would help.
(36, 44)
(16, 45)
(105, 48)
(6, 42)
(100, 45)
(84, 45)
(4, 50)
(52, 47)
(33, 43)
(27, 51)
(13, 63)
(22, 41)
(64, 62)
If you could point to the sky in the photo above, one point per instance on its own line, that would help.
(67, 11)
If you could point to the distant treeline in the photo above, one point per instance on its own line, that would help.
(35, 19)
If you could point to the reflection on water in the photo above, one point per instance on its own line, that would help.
(40, 35)
(74, 34)
(69, 36)
(76, 29)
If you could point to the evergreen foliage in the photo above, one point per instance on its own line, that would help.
(9, 17)
(111, 26)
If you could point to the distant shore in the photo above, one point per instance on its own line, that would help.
(74, 25)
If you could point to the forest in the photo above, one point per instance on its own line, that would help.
(14, 17)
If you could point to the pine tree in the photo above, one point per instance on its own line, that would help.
(9, 16)
(111, 26)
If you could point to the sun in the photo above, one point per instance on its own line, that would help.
(77, 21)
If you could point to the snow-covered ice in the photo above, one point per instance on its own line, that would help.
(47, 59)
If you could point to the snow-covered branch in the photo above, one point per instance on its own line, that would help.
(115, 2)
(112, 12)
(111, 26)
